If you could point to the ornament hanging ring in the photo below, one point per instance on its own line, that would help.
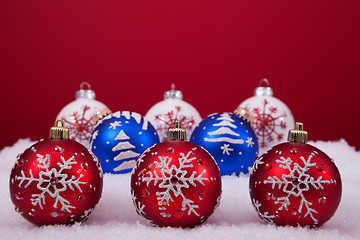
(88, 86)
(264, 80)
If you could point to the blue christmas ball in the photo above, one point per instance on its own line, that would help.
(230, 140)
(119, 138)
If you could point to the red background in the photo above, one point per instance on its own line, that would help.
(216, 52)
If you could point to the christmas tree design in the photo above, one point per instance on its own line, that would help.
(225, 127)
(124, 147)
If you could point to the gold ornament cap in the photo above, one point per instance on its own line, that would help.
(298, 134)
(176, 133)
(244, 114)
(100, 114)
(59, 131)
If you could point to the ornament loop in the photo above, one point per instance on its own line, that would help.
(85, 91)
(59, 131)
(264, 81)
(175, 94)
(85, 84)
(264, 90)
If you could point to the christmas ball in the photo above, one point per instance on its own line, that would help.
(295, 183)
(230, 140)
(78, 114)
(273, 119)
(163, 114)
(56, 181)
(176, 183)
(119, 138)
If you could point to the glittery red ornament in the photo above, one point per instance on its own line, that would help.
(56, 181)
(295, 183)
(176, 183)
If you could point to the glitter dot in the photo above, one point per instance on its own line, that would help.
(178, 214)
(81, 198)
(59, 149)
(268, 166)
(294, 212)
(145, 192)
(295, 181)
(61, 213)
(322, 200)
(293, 150)
(320, 167)
(169, 150)
(174, 180)
(18, 196)
(269, 196)
(200, 162)
(202, 195)
(84, 166)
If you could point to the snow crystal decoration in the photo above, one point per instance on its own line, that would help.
(267, 218)
(80, 127)
(268, 124)
(166, 120)
(173, 179)
(296, 188)
(49, 181)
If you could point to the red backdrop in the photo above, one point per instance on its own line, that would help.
(216, 52)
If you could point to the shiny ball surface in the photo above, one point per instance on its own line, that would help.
(295, 184)
(56, 181)
(230, 140)
(176, 183)
(119, 138)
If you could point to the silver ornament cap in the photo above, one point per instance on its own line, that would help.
(85, 91)
(173, 93)
(264, 90)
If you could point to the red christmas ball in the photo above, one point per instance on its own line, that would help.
(295, 184)
(56, 181)
(176, 183)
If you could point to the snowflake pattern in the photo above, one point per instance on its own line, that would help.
(267, 124)
(296, 183)
(52, 182)
(173, 179)
(267, 218)
(139, 206)
(226, 149)
(249, 142)
(166, 121)
(80, 128)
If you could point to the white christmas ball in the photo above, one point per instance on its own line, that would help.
(78, 114)
(273, 119)
(163, 114)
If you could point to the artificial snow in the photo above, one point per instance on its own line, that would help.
(115, 216)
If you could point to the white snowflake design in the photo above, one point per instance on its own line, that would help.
(226, 149)
(267, 218)
(250, 142)
(296, 183)
(52, 182)
(173, 179)
(139, 206)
